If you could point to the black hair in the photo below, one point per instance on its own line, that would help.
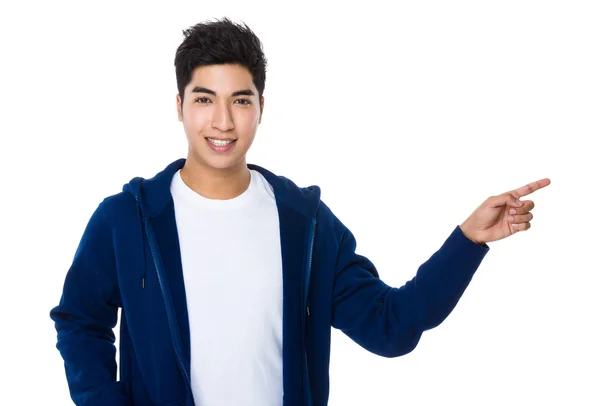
(220, 42)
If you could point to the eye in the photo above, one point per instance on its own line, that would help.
(202, 99)
(246, 101)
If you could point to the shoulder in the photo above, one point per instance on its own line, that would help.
(118, 207)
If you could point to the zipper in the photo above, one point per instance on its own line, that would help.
(169, 316)
(307, 305)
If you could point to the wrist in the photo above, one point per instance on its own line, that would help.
(467, 233)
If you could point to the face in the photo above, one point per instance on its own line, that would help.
(220, 102)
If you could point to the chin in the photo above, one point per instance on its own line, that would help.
(222, 163)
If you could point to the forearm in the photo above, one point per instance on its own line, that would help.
(89, 356)
(442, 279)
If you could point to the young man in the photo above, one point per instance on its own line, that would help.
(230, 277)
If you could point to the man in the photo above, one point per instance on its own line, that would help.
(230, 277)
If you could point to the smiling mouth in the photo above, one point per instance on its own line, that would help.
(220, 143)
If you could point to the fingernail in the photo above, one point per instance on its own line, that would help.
(519, 202)
(512, 211)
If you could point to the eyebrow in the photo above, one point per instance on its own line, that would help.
(200, 89)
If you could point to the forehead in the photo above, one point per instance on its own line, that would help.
(224, 78)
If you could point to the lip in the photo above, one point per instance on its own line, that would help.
(225, 148)
(221, 139)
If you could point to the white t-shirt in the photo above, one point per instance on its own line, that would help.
(232, 268)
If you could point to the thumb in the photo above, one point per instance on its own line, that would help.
(505, 198)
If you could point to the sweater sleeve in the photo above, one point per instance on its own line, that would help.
(85, 317)
(389, 321)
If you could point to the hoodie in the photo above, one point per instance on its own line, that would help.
(129, 258)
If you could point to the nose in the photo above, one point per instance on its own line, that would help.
(221, 119)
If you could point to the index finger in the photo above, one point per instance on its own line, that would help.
(530, 188)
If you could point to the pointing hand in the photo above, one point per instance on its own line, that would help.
(502, 216)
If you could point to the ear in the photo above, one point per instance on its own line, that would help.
(262, 107)
(179, 108)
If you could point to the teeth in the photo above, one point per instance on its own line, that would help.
(219, 143)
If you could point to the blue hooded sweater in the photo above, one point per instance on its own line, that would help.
(129, 258)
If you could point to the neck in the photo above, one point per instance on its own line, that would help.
(214, 183)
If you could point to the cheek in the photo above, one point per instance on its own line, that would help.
(248, 122)
(194, 121)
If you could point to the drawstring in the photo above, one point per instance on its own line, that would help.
(142, 235)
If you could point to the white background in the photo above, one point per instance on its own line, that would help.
(407, 115)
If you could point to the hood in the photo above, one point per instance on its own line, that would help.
(153, 194)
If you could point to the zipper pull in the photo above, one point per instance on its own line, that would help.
(308, 310)
(143, 283)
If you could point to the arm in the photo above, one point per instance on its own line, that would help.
(389, 321)
(85, 317)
